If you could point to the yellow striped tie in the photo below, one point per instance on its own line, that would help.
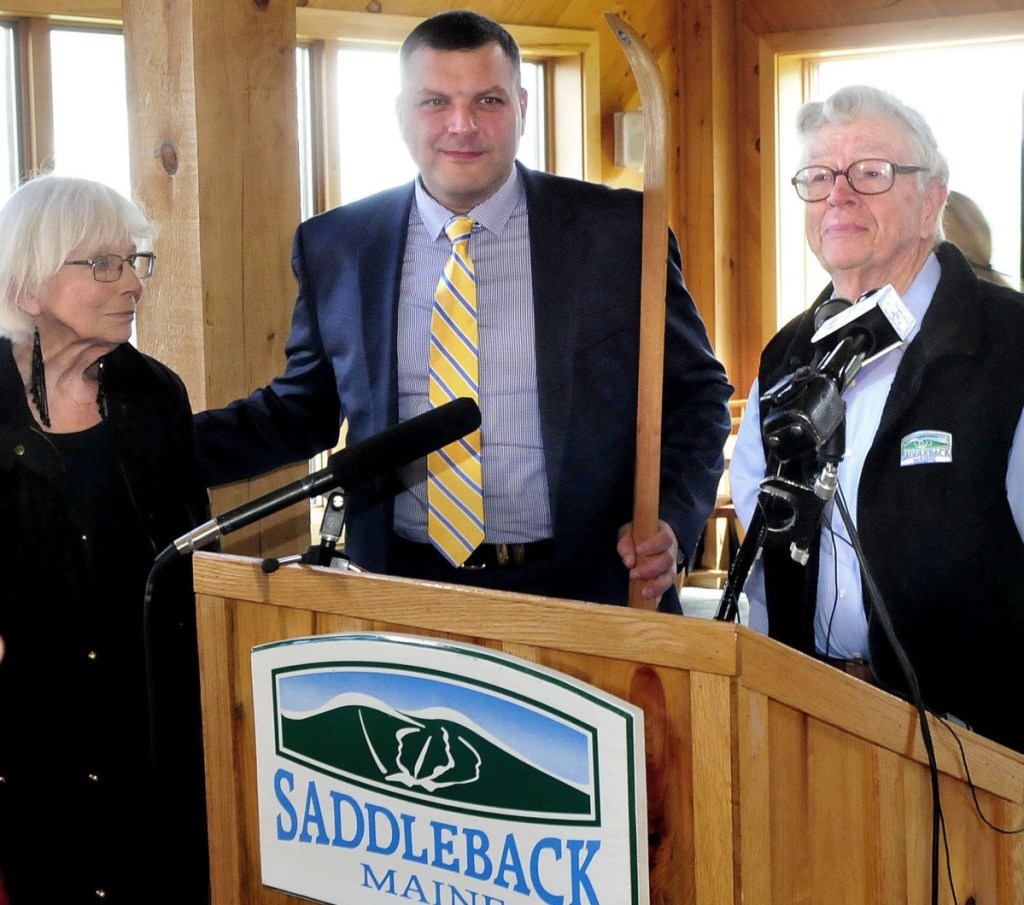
(455, 503)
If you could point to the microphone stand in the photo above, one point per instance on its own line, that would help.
(787, 509)
(324, 553)
(808, 416)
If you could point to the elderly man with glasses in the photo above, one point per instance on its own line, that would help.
(931, 467)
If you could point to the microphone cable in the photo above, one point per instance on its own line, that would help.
(1005, 831)
(739, 568)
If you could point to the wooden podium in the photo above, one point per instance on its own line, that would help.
(772, 779)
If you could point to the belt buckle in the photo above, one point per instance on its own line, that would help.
(504, 555)
(510, 554)
(859, 668)
(476, 566)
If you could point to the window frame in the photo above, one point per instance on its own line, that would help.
(35, 86)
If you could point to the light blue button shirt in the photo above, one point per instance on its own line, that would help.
(516, 507)
(840, 626)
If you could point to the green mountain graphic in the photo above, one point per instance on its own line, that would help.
(440, 757)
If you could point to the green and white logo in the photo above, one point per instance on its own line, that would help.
(400, 768)
(926, 448)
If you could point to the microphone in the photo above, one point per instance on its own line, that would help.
(873, 325)
(371, 458)
(805, 410)
(828, 309)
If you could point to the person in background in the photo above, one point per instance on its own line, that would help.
(557, 282)
(965, 226)
(933, 472)
(98, 472)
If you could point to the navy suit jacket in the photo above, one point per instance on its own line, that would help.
(585, 245)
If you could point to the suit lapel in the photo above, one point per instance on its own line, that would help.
(555, 256)
(379, 266)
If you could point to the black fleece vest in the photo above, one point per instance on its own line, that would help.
(939, 537)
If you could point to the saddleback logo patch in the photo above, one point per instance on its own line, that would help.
(392, 767)
(926, 448)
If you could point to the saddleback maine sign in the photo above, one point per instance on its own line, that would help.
(398, 769)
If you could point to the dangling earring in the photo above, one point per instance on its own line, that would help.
(37, 383)
(101, 395)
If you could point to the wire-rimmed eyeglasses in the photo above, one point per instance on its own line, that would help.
(108, 268)
(866, 177)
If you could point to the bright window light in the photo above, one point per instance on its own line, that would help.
(8, 114)
(90, 107)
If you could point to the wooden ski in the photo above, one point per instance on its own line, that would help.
(654, 104)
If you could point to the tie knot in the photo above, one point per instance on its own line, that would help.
(458, 229)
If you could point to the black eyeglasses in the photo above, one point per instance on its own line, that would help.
(866, 177)
(108, 268)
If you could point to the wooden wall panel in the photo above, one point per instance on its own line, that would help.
(214, 159)
(798, 15)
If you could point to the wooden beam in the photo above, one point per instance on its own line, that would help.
(214, 157)
(36, 94)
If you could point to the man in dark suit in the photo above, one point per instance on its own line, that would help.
(557, 270)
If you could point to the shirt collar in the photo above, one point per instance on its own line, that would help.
(492, 214)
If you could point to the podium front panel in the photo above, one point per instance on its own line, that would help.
(771, 778)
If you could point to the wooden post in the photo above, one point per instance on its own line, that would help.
(214, 157)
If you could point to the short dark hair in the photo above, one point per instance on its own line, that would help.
(461, 29)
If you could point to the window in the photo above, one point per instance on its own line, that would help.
(72, 115)
(970, 89)
(90, 107)
(10, 137)
(371, 155)
(948, 70)
(308, 155)
(973, 99)
(74, 119)
(78, 106)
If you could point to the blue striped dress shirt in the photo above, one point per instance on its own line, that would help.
(516, 507)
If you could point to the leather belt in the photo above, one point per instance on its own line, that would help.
(501, 556)
(856, 667)
(486, 556)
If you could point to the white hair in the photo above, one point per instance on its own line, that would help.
(856, 101)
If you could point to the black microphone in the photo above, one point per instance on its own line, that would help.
(873, 325)
(372, 458)
(805, 409)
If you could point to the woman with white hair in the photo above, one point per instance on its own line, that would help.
(97, 474)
